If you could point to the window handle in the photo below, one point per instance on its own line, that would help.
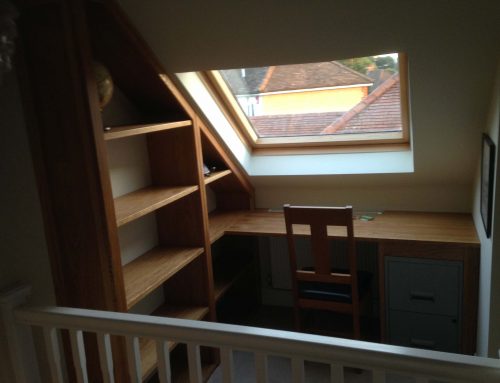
(422, 296)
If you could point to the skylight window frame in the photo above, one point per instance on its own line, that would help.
(358, 142)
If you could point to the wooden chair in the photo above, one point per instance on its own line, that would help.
(322, 286)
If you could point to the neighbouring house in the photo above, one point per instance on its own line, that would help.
(298, 89)
(380, 111)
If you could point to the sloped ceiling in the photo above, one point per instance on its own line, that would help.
(452, 48)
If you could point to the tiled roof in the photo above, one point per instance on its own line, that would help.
(284, 125)
(379, 111)
(307, 76)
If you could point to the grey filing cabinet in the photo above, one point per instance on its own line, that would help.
(423, 302)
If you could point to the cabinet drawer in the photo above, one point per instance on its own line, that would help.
(424, 286)
(433, 332)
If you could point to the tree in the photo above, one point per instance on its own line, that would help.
(367, 64)
(386, 63)
(360, 64)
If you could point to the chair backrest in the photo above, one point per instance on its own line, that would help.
(319, 218)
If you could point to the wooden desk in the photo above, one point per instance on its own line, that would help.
(391, 225)
(439, 236)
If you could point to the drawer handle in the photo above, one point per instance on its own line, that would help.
(422, 296)
(422, 343)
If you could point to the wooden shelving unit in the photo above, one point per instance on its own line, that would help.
(141, 202)
(115, 132)
(150, 117)
(149, 271)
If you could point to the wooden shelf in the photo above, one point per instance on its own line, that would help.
(141, 202)
(219, 221)
(148, 346)
(134, 130)
(149, 271)
(214, 176)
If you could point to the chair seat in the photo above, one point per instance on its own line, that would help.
(334, 292)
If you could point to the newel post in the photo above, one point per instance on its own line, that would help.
(16, 340)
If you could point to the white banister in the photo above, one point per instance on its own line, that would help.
(336, 373)
(194, 363)
(105, 357)
(53, 354)
(79, 359)
(164, 368)
(226, 355)
(298, 373)
(134, 359)
(22, 364)
(378, 358)
(261, 367)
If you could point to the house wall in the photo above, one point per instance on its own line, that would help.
(319, 101)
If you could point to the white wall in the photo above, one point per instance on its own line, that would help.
(450, 56)
(489, 302)
(23, 250)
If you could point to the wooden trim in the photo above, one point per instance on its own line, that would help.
(134, 130)
(363, 139)
(233, 165)
(404, 95)
(229, 107)
(214, 176)
(328, 149)
(204, 224)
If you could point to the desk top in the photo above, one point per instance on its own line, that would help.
(391, 225)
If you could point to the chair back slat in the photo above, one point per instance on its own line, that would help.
(310, 276)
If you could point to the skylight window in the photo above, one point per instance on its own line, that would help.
(348, 102)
